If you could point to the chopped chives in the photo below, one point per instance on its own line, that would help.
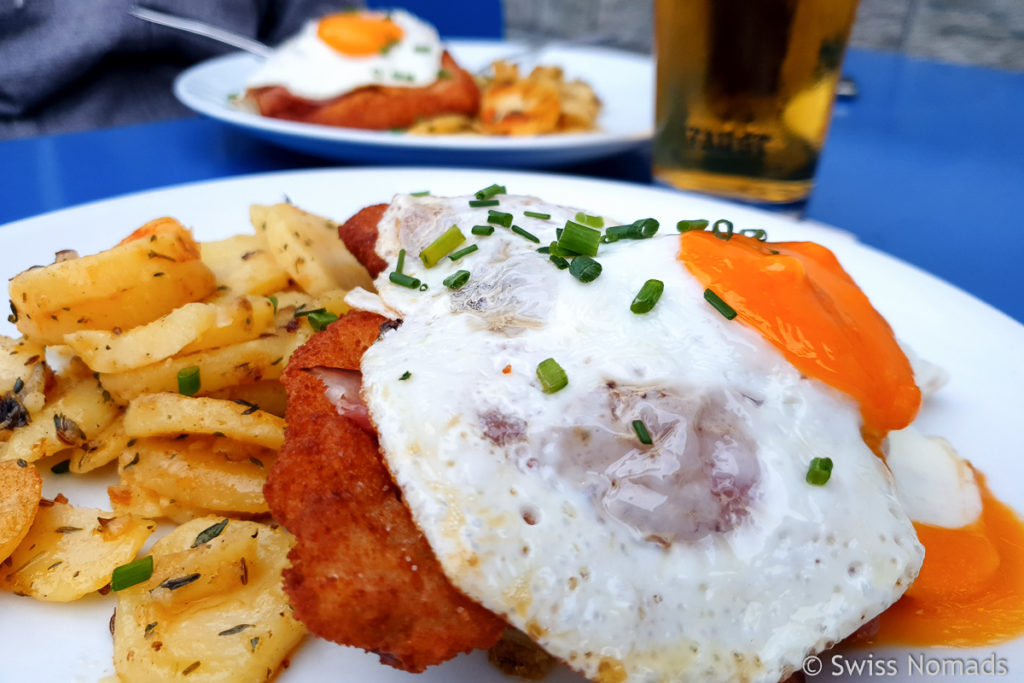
(401, 261)
(592, 221)
(756, 233)
(585, 269)
(63, 467)
(490, 191)
(641, 432)
(719, 304)
(637, 230)
(456, 279)
(319, 320)
(725, 233)
(442, 246)
(551, 375)
(483, 202)
(687, 226)
(648, 295)
(819, 471)
(424, 193)
(528, 235)
(543, 250)
(499, 217)
(404, 376)
(273, 300)
(483, 230)
(579, 239)
(128, 575)
(404, 280)
(535, 214)
(462, 252)
(558, 261)
(424, 287)
(188, 380)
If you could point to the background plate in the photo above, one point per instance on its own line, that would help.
(978, 411)
(623, 80)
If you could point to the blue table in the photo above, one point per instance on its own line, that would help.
(927, 164)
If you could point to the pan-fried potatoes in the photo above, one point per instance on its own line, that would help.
(228, 366)
(243, 264)
(164, 355)
(131, 284)
(83, 411)
(204, 472)
(213, 609)
(160, 414)
(71, 551)
(20, 486)
(309, 249)
(188, 328)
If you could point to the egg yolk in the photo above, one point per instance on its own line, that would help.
(358, 35)
(970, 591)
(798, 297)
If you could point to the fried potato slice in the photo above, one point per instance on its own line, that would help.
(244, 265)
(20, 488)
(156, 270)
(71, 551)
(188, 328)
(213, 609)
(307, 246)
(81, 412)
(200, 472)
(162, 414)
(251, 361)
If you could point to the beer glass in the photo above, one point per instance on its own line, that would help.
(744, 93)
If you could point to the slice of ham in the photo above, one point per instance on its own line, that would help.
(343, 387)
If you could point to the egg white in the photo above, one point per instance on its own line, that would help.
(512, 486)
(311, 69)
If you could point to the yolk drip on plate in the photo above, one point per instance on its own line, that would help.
(798, 297)
(357, 34)
(970, 591)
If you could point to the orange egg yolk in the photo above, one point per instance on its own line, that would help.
(358, 35)
(798, 297)
(970, 591)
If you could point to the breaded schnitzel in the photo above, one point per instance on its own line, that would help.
(376, 107)
(362, 574)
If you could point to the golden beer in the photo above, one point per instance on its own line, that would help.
(744, 93)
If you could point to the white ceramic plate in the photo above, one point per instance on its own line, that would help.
(978, 411)
(623, 81)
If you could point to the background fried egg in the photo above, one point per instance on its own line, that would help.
(341, 52)
(703, 556)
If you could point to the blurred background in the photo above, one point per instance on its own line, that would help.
(76, 66)
(982, 32)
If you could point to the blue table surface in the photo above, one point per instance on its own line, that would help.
(926, 164)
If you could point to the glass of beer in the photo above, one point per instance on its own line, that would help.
(744, 93)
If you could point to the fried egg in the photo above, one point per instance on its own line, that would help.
(704, 554)
(342, 52)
